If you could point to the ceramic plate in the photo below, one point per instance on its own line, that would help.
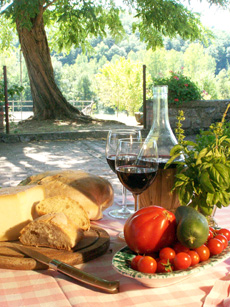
(121, 263)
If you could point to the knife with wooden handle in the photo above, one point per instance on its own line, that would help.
(99, 283)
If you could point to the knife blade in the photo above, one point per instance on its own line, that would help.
(66, 269)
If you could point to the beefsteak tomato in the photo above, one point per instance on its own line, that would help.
(150, 229)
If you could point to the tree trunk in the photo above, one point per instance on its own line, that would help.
(48, 101)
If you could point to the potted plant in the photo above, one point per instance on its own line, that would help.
(203, 178)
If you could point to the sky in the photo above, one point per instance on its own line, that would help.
(212, 16)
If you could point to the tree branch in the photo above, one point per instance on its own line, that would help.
(39, 16)
(48, 4)
(42, 10)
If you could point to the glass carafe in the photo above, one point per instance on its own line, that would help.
(159, 193)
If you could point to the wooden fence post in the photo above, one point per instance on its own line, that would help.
(6, 100)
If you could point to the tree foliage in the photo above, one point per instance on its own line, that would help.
(166, 18)
(122, 85)
(73, 26)
(71, 21)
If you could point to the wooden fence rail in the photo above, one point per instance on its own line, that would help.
(22, 109)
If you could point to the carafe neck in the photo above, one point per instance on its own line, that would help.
(161, 124)
(161, 130)
(160, 112)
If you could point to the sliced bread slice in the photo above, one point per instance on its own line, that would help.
(71, 208)
(53, 230)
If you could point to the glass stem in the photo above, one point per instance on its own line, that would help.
(124, 195)
(136, 206)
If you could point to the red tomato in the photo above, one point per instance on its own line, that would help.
(195, 258)
(212, 229)
(147, 264)
(225, 232)
(182, 261)
(215, 246)
(164, 266)
(150, 229)
(223, 239)
(167, 253)
(134, 262)
(210, 234)
(203, 252)
(178, 248)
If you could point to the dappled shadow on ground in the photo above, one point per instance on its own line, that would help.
(39, 126)
(20, 160)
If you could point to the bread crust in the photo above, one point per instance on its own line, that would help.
(94, 193)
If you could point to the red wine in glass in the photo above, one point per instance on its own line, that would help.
(136, 166)
(114, 135)
(111, 162)
(136, 178)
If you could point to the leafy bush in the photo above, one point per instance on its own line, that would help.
(14, 89)
(180, 88)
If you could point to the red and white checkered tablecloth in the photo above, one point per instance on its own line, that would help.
(49, 288)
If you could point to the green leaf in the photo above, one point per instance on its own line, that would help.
(227, 140)
(225, 199)
(186, 197)
(210, 197)
(215, 198)
(182, 177)
(222, 138)
(171, 160)
(176, 149)
(207, 211)
(185, 193)
(191, 143)
(206, 183)
(206, 165)
(201, 154)
(219, 205)
(177, 184)
(220, 174)
(181, 192)
(204, 207)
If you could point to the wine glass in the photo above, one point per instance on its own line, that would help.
(114, 135)
(136, 165)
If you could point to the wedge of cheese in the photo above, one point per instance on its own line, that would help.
(17, 205)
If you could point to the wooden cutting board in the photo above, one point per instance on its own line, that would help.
(94, 244)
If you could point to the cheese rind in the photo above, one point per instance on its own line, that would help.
(17, 205)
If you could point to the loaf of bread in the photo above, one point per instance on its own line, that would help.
(53, 230)
(94, 193)
(71, 208)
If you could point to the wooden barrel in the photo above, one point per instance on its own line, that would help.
(159, 193)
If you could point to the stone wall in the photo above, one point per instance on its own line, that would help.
(198, 114)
